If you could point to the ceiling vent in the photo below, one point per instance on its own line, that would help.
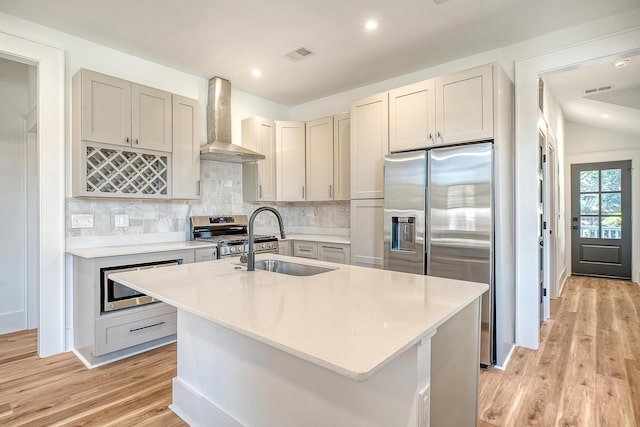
(597, 89)
(299, 53)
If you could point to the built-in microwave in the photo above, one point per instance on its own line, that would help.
(116, 296)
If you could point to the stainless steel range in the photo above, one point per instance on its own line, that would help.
(230, 233)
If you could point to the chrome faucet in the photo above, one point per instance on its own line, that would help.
(251, 252)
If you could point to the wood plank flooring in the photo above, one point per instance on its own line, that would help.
(586, 371)
(60, 391)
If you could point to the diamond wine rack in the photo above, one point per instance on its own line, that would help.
(126, 173)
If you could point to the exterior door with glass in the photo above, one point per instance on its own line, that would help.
(601, 219)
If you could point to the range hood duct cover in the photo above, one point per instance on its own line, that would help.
(219, 146)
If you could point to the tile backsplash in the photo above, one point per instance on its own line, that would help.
(221, 194)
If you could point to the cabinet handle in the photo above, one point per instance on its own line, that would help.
(126, 140)
(198, 188)
(303, 191)
(430, 137)
(330, 190)
(145, 327)
(439, 136)
(304, 250)
(260, 191)
(136, 141)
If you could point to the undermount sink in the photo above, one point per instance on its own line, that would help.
(290, 268)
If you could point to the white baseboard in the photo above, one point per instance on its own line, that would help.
(503, 367)
(13, 322)
(196, 410)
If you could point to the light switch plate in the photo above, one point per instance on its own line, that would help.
(82, 221)
(121, 221)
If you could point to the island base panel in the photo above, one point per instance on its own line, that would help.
(225, 378)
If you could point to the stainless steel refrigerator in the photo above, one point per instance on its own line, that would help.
(438, 220)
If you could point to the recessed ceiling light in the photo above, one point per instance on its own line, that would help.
(370, 25)
(621, 63)
(604, 116)
(256, 72)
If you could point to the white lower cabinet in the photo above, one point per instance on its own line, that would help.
(330, 252)
(205, 254)
(105, 337)
(367, 220)
(284, 247)
(305, 249)
(333, 252)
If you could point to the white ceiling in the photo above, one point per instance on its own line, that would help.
(616, 109)
(230, 38)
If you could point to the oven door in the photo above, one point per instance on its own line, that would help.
(116, 296)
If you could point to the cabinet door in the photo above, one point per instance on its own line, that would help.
(106, 109)
(366, 232)
(284, 247)
(334, 253)
(266, 144)
(319, 159)
(412, 116)
(151, 118)
(369, 145)
(259, 178)
(305, 249)
(341, 157)
(464, 106)
(290, 161)
(185, 175)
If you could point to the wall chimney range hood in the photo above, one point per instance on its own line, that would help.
(219, 146)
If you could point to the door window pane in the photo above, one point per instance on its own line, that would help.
(589, 181)
(589, 227)
(611, 179)
(589, 204)
(610, 204)
(611, 227)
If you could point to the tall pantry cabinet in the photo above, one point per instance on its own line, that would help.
(369, 146)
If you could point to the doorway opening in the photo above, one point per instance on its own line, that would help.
(601, 219)
(19, 196)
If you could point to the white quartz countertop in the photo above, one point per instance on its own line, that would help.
(352, 320)
(107, 251)
(321, 238)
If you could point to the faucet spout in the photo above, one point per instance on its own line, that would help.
(251, 252)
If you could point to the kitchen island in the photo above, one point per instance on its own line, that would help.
(349, 347)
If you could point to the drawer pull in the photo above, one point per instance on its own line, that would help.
(304, 250)
(145, 327)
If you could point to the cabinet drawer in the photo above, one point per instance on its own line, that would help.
(340, 254)
(126, 331)
(305, 249)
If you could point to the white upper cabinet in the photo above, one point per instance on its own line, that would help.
(290, 161)
(446, 110)
(464, 106)
(106, 108)
(151, 118)
(116, 111)
(369, 145)
(319, 159)
(341, 157)
(186, 149)
(259, 178)
(412, 116)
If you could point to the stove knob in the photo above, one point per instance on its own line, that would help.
(264, 246)
(232, 249)
(270, 245)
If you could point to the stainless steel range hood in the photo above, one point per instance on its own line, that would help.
(219, 146)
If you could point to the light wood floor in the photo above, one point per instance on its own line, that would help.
(60, 391)
(587, 369)
(585, 373)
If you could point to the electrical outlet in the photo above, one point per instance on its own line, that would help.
(424, 407)
(82, 221)
(121, 221)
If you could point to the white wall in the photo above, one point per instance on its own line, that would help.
(587, 144)
(13, 265)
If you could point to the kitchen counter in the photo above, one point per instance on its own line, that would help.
(352, 346)
(107, 251)
(351, 320)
